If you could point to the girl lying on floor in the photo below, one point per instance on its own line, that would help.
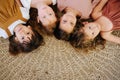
(72, 10)
(22, 36)
(107, 19)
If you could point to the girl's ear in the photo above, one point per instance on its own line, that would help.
(29, 26)
(16, 39)
(85, 22)
(38, 19)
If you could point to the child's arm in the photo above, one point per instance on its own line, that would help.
(108, 36)
(97, 12)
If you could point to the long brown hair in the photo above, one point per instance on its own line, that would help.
(16, 47)
(43, 29)
(78, 38)
(61, 34)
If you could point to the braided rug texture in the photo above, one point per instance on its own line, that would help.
(58, 60)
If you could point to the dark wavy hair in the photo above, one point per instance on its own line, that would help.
(16, 47)
(61, 34)
(78, 38)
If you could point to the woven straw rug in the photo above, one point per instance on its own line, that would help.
(58, 60)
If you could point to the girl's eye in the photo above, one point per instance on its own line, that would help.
(44, 16)
(64, 21)
(28, 33)
(92, 33)
(50, 14)
(22, 38)
(89, 27)
(71, 23)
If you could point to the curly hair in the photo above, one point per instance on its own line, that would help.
(78, 38)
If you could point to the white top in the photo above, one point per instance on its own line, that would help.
(26, 3)
(25, 14)
(54, 2)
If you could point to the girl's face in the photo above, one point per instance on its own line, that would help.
(91, 30)
(67, 22)
(23, 33)
(46, 16)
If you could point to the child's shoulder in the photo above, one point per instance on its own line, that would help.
(106, 23)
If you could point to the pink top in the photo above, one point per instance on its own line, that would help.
(112, 11)
(85, 7)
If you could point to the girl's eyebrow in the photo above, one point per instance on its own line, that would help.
(44, 8)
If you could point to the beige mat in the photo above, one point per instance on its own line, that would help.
(57, 60)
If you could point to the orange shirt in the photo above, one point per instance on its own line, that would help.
(9, 13)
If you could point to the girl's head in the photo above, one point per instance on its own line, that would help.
(23, 33)
(25, 39)
(67, 22)
(61, 34)
(66, 26)
(91, 30)
(47, 17)
(87, 35)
